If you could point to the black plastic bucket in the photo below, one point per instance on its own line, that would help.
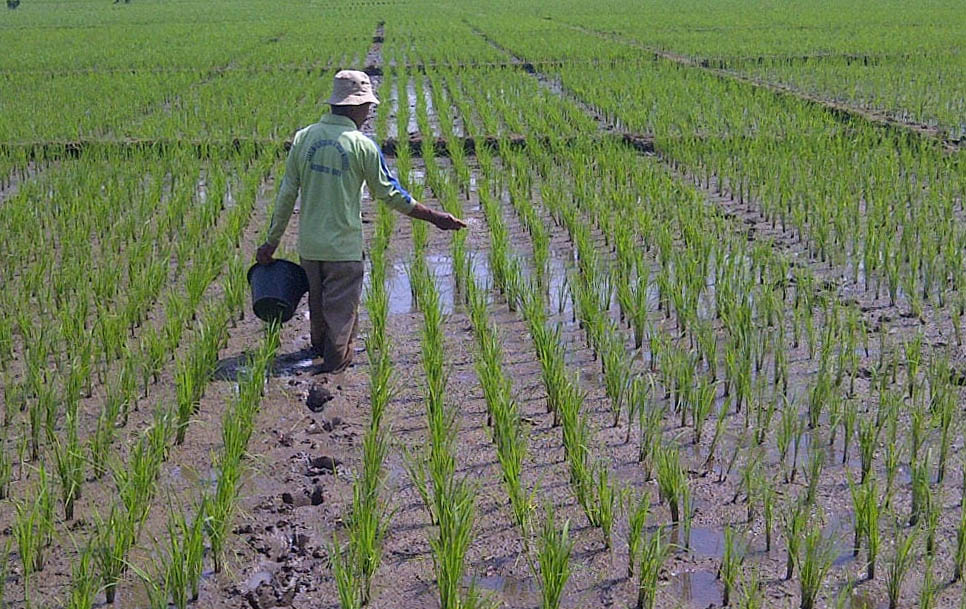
(277, 289)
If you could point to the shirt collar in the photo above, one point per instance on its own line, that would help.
(335, 119)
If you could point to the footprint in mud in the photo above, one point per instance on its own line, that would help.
(304, 497)
(318, 397)
(322, 464)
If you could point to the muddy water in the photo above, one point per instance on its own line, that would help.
(433, 119)
(707, 542)
(413, 126)
(441, 268)
(400, 290)
(391, 128)
(505, 590)
(839, 529)
(697, 589)
(558, 283)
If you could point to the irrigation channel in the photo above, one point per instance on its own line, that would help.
(700, 345)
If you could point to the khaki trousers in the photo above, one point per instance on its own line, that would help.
(334, 292)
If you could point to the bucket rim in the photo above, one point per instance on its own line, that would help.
(284, 262)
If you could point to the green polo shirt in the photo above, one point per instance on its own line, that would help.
(329, 161)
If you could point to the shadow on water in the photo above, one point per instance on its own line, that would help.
(286, 364)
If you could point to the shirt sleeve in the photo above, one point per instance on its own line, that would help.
(287, 193)
(382, 184)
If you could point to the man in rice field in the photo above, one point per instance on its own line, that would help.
(328, 163)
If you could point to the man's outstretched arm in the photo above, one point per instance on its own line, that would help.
(442, 220)
(385, 187)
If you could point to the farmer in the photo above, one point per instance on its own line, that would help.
(328, 162)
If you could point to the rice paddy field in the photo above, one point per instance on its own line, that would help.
(701, 344)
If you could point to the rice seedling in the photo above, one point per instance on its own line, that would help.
(788, 431)
(959, 556)
(135, 481)
(933, 513)
(730, 569)
(6, 470)
(868, 438)
(816, 463)
(654, 551)
(184, 555)
(30, 530)
(637, 518)
(849, 419)
(84, 584)
(617, 374)
(113, 539)
(899, 567)
(99, 446)
(5, 569)
(555, 547)
(795, 523)
(456, 514)
(766, 492)
(673, 487)
(814, 561)
(703, 402)
(921, 490)
(344, 572)
(69, 464)
(750, 593)
(650, 422)
(928, 589)
(945, 410)
(865, 503)
(602, 512)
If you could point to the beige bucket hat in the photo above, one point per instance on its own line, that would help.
(352, 88)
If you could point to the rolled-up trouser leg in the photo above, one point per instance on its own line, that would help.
(313, 270)
(341, 291)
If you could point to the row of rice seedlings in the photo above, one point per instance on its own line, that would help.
(368, 519)
(384, 109)
(454, 142)
(422, 115)
(402, 112)
(589, 482)
(520, 191)
(449, 500)
(196, 368)
(554, 543)
(237, 426)
(503, 415)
